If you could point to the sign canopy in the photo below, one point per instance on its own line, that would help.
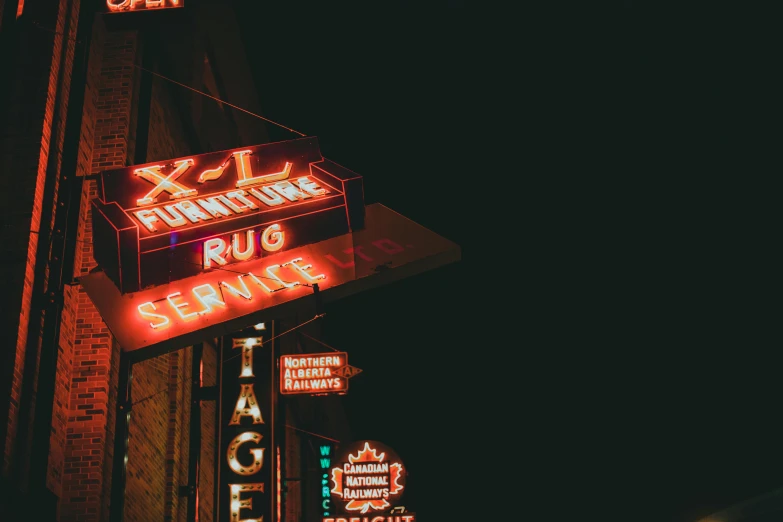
(224, 299)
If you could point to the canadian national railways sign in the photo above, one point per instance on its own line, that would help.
(368, 478)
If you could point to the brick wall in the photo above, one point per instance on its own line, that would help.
(206, 476)
(146, 469)
(158, 443)
(57, 438)
(166, 138)
(292, 491)
(25, 154)
(89, 430)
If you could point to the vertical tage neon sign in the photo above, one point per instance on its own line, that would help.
(247, 483)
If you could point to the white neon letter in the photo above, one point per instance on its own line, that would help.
(176, 306)
(245, 171)
(230, 204)
(303, 269)
(168, 183)
(213, 207)
(290, 191)
(247, 344)
(278, 237)
(237, 502)
(150, 315)
(213, 251)
(239, 195)
(173, 220)
(147, 218)
(247, 406)
(257, 453)
(310, 186)
(260, 283)
(276, 278)
(246, 293)
(250, 246)
(209, 296)
(192, 211)
(267, 196)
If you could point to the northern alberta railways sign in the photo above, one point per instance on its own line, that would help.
(164, 221)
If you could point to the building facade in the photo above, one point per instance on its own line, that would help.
(84, 92)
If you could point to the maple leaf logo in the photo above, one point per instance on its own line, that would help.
(368, 455)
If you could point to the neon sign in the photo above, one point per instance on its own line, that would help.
(247, 425)
(120, 6)
(407, 517)
(313, 373)
(367, 478)
(165, 221)
(324, 463)
(217, 300)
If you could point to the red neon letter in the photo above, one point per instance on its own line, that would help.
(388, 246)
(118, 6)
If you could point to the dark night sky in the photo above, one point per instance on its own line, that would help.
(640, 368)
(384, 89)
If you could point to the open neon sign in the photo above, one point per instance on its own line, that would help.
(165, 221)
(120, 6)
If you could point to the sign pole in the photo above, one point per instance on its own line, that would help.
(121, 427)
(194, 450)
